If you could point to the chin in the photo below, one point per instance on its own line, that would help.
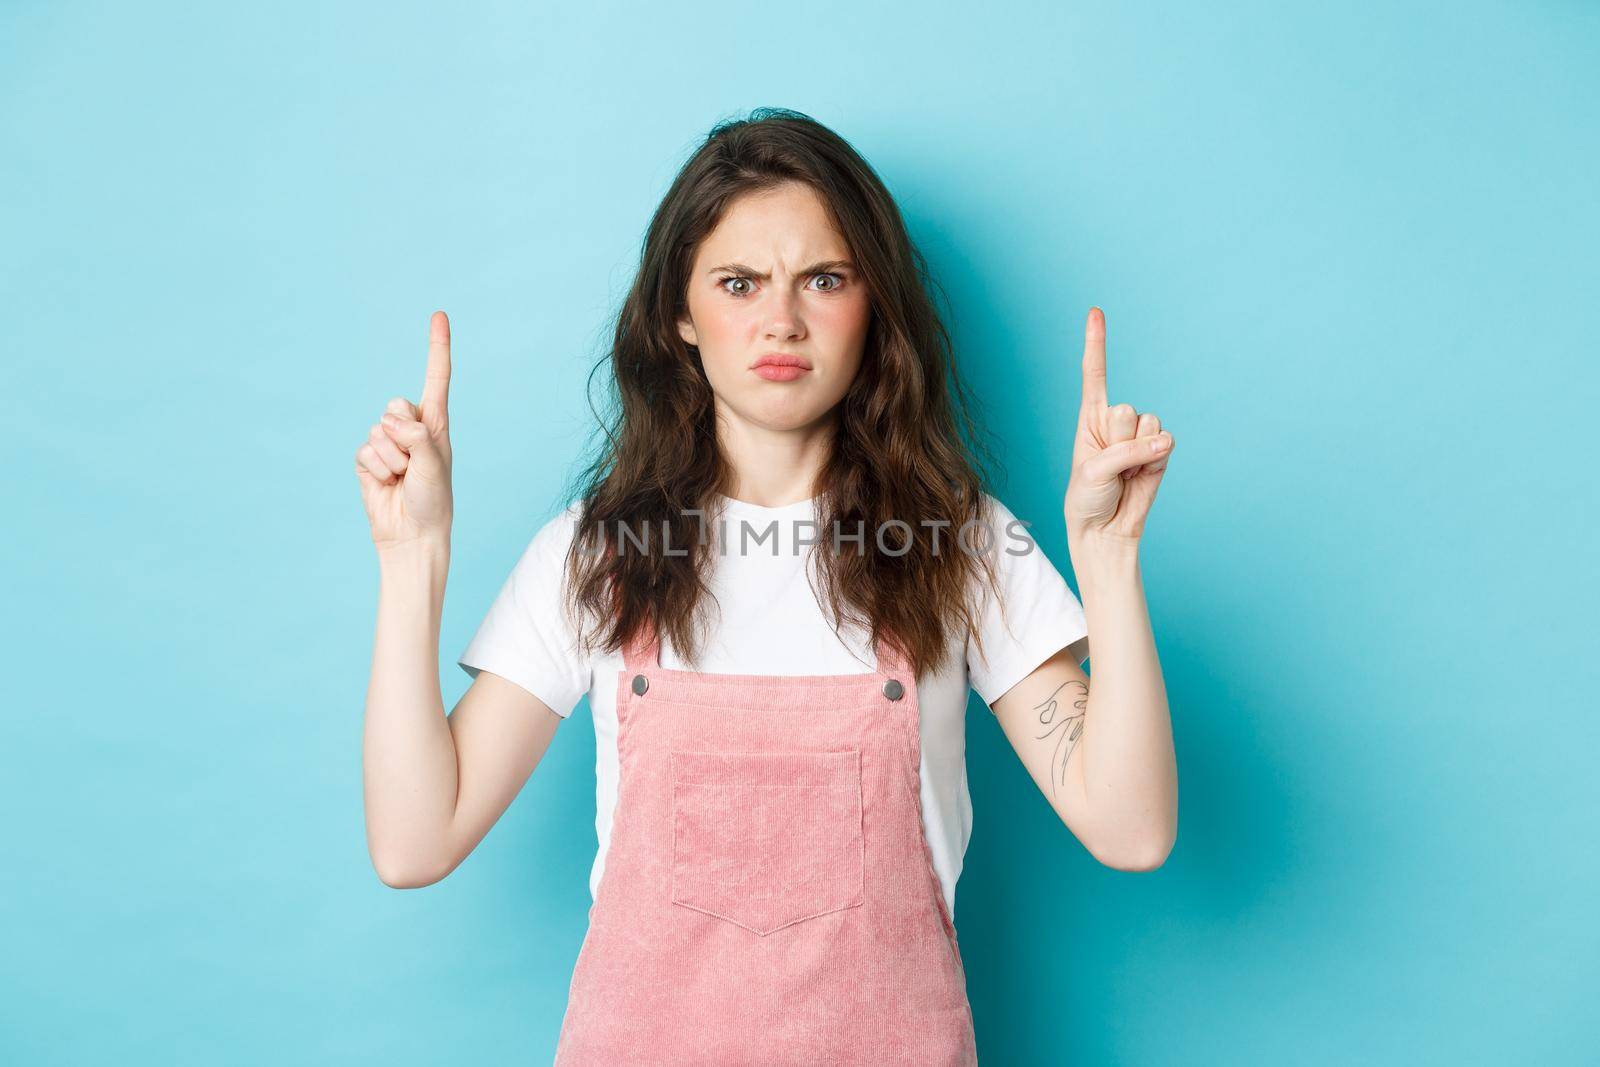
(784, 413)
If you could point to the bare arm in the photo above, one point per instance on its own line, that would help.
(1103, 752)
(433, 785)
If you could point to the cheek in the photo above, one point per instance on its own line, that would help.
(725, 334)
(722, 321)
(846, 319)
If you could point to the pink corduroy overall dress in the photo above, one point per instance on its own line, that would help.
(768, 895)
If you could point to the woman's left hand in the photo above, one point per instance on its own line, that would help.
(1118, 457)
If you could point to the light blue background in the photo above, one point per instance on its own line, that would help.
(1348, 257)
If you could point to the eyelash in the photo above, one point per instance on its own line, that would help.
(722, 283)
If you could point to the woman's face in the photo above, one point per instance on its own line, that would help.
(775, 279)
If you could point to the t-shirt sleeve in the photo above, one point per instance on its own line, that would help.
(527, 637)
(1041, 613)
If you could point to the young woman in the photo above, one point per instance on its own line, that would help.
(780, 578)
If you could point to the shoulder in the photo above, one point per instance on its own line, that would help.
(1027, 581)
(538, 581)
(527, 635)
(1035, 615)
(1006, 538)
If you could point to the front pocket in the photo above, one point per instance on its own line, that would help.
(767, 839)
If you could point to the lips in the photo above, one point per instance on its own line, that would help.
(781, 359)
(781, 367)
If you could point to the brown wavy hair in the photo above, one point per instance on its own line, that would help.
(905, 445)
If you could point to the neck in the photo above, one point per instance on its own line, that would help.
(771, 467)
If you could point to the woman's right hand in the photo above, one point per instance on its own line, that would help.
(404, 465)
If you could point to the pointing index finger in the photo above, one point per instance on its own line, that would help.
(436, 386)
(1094, 360)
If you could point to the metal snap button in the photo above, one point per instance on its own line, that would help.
(893, 689)
(640, 684)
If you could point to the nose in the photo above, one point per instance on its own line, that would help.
(783, 316)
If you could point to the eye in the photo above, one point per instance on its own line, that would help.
(834, 281)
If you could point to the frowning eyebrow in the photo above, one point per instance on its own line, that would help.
(826, 266)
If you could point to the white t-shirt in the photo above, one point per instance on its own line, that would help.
(771, 622)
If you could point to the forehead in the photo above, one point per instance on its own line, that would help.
(788, 224)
